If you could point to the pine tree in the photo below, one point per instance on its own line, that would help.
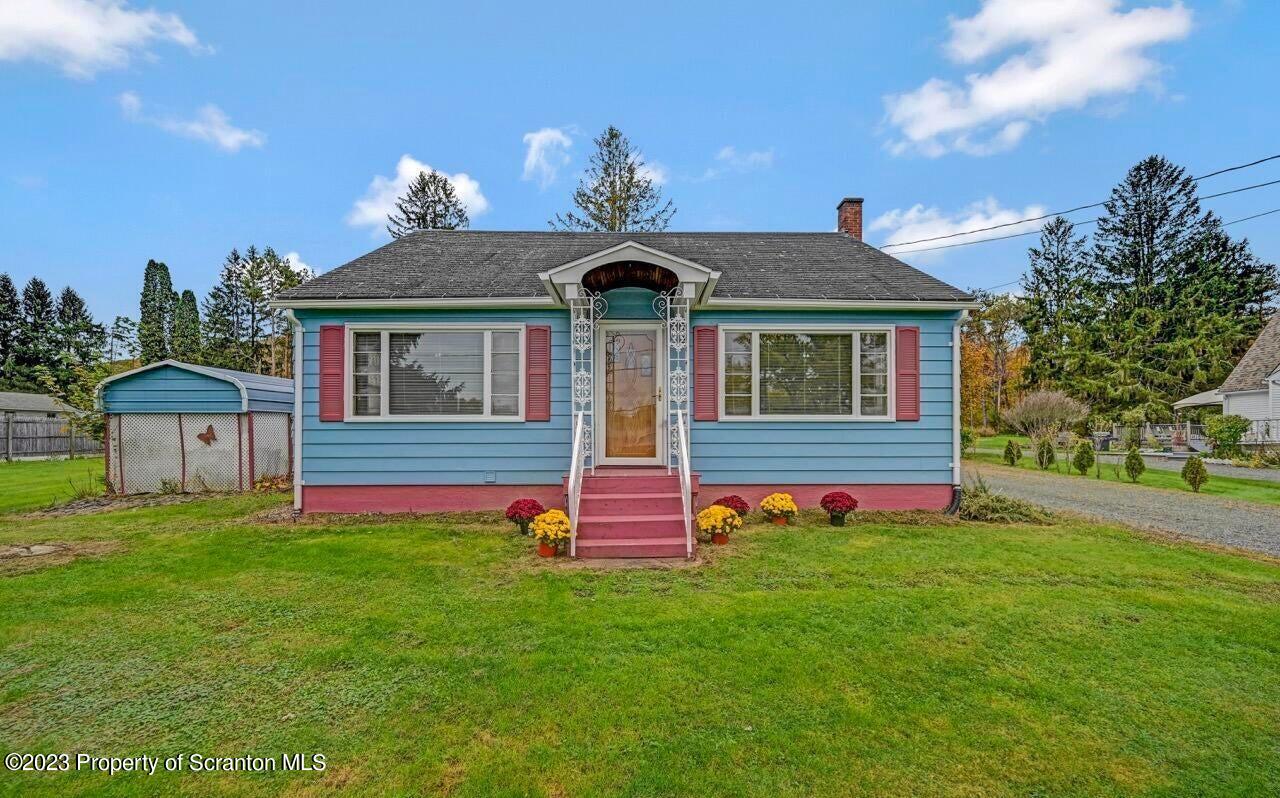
(617, 194)
(79, 338)
(186, 329)
(1057, 291)
(280, 276)
(155, 320)
(122, 339)
(36, 342)
(225, 317)
(430, 203)
(10, 322)
(1194, 473)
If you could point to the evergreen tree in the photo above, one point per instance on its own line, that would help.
(10, 322)
(225, 317)
(429, 204)
(122, 339)
(617, 194)
(281, 276)
(79, 338)
(155, 320)
(1058, 293)
(186, 329)
(36, 342)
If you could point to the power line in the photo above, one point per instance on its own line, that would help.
(1077, 224)
(1069, 210)
(1224, 224)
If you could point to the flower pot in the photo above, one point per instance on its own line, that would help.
(546, 549)
(837, 519)
(524, 527)
(780, 520)
(720, 538)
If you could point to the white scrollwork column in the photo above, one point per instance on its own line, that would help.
(585, 309)
(673, 308)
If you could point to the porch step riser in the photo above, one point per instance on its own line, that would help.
(630, 549)
(599, 485)
(613, 529)
(655, 504)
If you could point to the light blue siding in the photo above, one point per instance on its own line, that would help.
(724, 452)
(824, 452)
(170, 390)
(434, 453)
(630, 303)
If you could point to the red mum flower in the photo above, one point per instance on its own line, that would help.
(524, 510)
(837, 502)
(736, 503)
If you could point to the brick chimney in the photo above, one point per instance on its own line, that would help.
(849, 217)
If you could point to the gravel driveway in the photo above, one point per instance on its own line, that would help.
(1244, 525)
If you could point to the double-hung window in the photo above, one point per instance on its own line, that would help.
(462, 373)
(818, 373)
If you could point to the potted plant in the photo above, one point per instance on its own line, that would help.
(551, 530)
(838, 504)
(780, 507)
(736, 503)
(522, 511)
(718, 521)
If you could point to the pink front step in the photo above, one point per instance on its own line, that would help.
(632, 547)
(630, 526)
(631, 503)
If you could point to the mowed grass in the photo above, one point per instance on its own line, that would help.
(1250, 490)
(438, 656)
(33, 484)
(998, 442)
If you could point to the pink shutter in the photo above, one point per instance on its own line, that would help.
(332, 363)
(706, 383)
(907, 377)
(537, 373)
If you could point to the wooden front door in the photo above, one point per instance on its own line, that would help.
(630, 393)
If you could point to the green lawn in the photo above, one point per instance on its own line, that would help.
(438, 656)
(33, 484)
(998, 442)
(1252, 490)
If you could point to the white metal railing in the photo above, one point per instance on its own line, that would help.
(686, 482)
(575, 482)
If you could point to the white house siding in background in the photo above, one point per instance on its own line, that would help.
(1250, 404)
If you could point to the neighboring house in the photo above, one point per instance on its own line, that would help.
(32, 406)
(1253, 388)
(454, 370)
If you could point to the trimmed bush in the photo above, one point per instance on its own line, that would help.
(1012, 452)
(1194, 473)
(1083, 457)
(1134, 465)
(1045, 455)
(1225, 433)
(968, 441)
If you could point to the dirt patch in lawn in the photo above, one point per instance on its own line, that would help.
(102, 504)
(21, 558)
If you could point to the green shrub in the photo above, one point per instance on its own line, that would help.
(1082, 459)
(1134, 465)
(1133, 420)
(1012, 452)
(968, 441)
(979, 503)
(1194, 473)
(1225, 432)
(1045, 455)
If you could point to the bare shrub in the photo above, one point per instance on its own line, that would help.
(1042, 414)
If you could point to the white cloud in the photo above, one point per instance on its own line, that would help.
(380, 198)
(729, 159)
(548, 151)
(296, 262)
(209, 124)
(83, 37)
(1060, 55)
(653, 170)
(918, 222)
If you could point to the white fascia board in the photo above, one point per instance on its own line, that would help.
(419, 303)
(833, 304)
(244, 394)
(573, 271)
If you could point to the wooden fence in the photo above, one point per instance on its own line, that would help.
(37, 438)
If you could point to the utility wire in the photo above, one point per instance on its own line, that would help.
(1077, 224)
(1069, 210)
(1224, 224)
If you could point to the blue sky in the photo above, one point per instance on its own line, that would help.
(177, 130)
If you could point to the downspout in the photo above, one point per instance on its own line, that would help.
(956, 485)
(297, 409)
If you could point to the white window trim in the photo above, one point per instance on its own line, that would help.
(814, 329)
(386, 328)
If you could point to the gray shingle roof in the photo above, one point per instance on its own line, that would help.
(1260, 362)
(30, 403)
(473, 264)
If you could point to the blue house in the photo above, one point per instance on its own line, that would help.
(628, 376)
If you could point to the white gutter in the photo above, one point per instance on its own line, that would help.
(834, 304)
(420, 302)
(297, 408)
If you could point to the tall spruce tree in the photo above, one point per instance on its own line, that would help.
(186, 329)
(225, 328)
(80, 339)
(122, 339)
(36, 346)
(617, 194)
(430, 203)
(10, 322)
(155, 319)
(1059, 297)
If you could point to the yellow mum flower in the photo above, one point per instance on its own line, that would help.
(779, 505)
(551, 527)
